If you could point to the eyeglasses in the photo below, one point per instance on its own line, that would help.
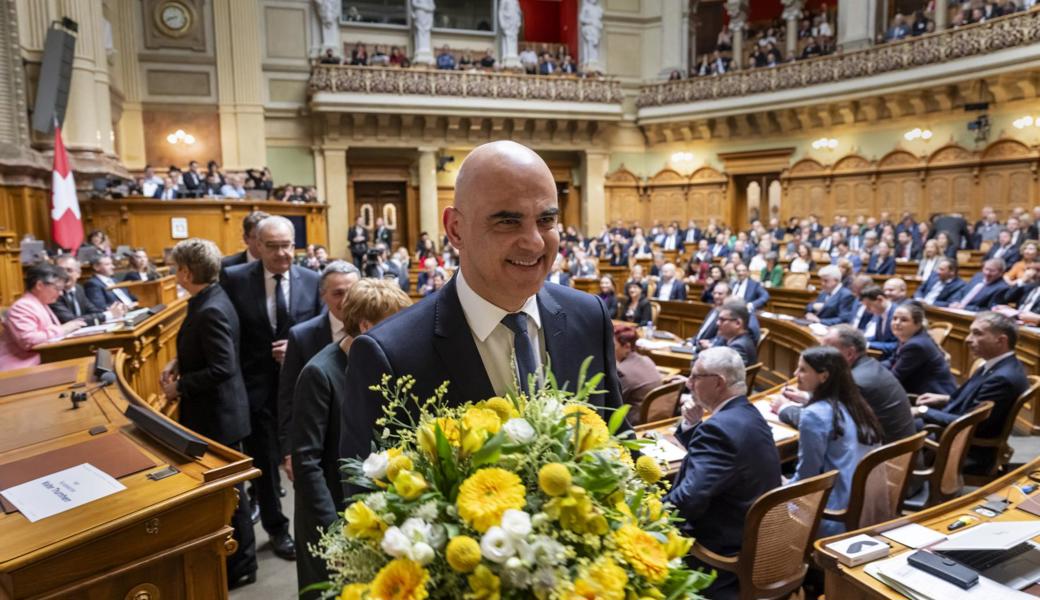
(721, 319)
(701, 375)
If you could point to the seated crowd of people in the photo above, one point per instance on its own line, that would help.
(969, 12)
(535, 59)
(214, 183)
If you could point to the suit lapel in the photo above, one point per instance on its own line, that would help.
(554, 328)
(259, 292)
(296, 299)
(453, 342)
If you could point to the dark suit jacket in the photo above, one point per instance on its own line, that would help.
(745, 346)
(314, 436)
(679, 244)
(100, 295)
(305, 340)
(755, 293)
(231, 260)
(643, 312)
(1017, 295)
(244, 285)
(136, 276)
(955, 227)
(921, 367)
(1010, 256)
(836, 306)
(989, 296)
(882, 392)
(213, 394)
(385, 236)
(678, 291)
(432, 342)
(719, 251)
(731, 460)
(357, 247)
(193, 183)
(881, 267)
(951, 289)
(884, 340)
(65, 309)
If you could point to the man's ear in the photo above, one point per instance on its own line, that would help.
(452, 220)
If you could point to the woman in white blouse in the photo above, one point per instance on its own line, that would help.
(802, 262)
(929, 258)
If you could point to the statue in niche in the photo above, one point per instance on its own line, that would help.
(422, 19)
(328, 12)
(509, 19)
(591, 21)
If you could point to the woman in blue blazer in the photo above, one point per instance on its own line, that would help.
(835, 429)
(918, 363)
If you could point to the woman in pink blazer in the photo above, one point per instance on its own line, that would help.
(30, 321)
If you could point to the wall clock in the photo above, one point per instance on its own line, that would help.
(173, 18)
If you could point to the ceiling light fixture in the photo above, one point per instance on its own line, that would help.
(825, 144)
(179, 136)
(1026, 121)
(918, 134)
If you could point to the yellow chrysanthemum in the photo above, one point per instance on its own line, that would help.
(409, 484)
(502, 407)
(483, 585)
(554, 479)
(576, 512)
(463, 554)
(602, 580)
(397, 464)
(677, 545)
(363, 522)
(353, 591)
(488, 493)
(643, 552)
(648, 469)
(594, 432)
(400, 579)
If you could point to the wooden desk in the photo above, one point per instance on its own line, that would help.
(11, 278)
(152, 293)
(156, 539)
(149, 346)
(852, 583)
(587, 284)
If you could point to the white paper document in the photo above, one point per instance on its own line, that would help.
(896, 573)
(61, 491)
(663, 450)
(782, 433)
(914, 535)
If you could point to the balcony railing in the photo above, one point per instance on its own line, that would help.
(465, 84)
(1015, 30)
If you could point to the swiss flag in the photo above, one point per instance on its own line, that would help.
(66, 225)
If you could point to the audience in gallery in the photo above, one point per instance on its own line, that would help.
(212, 183)
(918, 362)
(535, 59)
(637, 373)
(30, 321)
(731, 460)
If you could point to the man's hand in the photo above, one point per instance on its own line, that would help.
(72, 325)
(930, 399)
(170, 390)
(287, 467)
(278, 350)
(118, 309)
(811, 317)
(704, 344)
(169, 373)
(692, 412)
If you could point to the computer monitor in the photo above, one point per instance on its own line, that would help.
(32, 251)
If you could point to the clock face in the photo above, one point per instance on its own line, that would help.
(174, 16)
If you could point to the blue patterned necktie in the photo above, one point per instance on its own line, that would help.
(526, 362)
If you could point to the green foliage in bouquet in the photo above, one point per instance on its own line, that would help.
(506, 498)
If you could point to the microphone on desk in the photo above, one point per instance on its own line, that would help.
(106, 378)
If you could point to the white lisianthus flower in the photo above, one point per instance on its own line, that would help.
(438, 536)
(416, 530)
(545, 551)
(421, 553)
(519, 431)
(553, 407)
(375, 465)
(496, 545)
(395, 543)
(376, 501)
(516, 523)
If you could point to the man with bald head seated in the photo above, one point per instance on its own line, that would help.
(986, 289)
(497, 321)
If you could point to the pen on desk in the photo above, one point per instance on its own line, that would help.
(960, 522)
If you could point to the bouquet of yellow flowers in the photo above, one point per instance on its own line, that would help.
(517, 497)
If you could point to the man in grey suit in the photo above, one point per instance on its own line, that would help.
(876, 384)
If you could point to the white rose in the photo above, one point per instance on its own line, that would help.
(421, 553)
(416, 530)
(516, 523)
(519, 431)
(395, 543)
(496, 545)
(375, 465)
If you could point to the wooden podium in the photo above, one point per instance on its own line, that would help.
(161, 538)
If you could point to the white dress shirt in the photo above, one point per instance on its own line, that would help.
(123, 297)
(664, 291)
(739, 289)
(494, 340)
(336, 327)
(924, 271)
(269, 284)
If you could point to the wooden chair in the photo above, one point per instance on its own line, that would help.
(939, 332)
(949, 360)
(796, 280)
(763, 334)
(879, 484)
(750, 373)
(661, 402)
(983, 474)
(655, 309)
(778, 535)
(943, 480)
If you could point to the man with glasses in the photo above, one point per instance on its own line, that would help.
(731, 460)
(733, 330)
(270, 295)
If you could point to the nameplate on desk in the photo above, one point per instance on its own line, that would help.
(58, 492)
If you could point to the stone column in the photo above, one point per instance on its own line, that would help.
(236, 26)
(594, 199)
(857, 24)
(942, 14)
(429, 216)
(673, 28)
(131, 122)
(689, 28)
(331, 171)
(737, 20)
(792, 13)
(422, 25)
(14, 115)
